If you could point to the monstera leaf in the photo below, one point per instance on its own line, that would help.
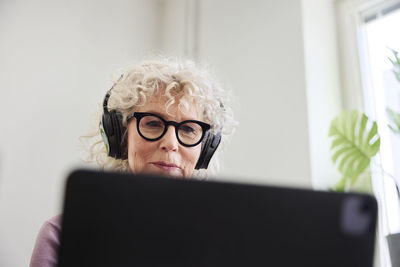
(395, 119)
(355, 141)
(396, 63)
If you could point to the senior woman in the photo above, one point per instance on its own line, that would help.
(162, 117)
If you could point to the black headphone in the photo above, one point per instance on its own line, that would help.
(114, 137)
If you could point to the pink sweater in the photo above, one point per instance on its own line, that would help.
(45, 252)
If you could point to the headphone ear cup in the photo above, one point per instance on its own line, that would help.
(123, 149)
(114, 131)
(120, 136)
(106, 130)
(208, 149)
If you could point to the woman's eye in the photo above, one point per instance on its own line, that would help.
(187, 129)
(154, 124)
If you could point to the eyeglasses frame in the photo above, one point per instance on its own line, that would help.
(139, 115)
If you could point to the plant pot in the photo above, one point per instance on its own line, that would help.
(394, 248)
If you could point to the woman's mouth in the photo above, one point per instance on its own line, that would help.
(169, 167)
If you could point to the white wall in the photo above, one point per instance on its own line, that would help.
(56, 58)
(323, 85)
(258, 47)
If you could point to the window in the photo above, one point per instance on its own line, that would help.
(378, 33)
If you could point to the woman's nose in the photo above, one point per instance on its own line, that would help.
(169, 141)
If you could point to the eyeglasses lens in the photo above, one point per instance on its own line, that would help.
(190, 133)
(153, 127)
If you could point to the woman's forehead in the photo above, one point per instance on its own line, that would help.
(180, 109)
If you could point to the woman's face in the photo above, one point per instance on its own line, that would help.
(165, 156)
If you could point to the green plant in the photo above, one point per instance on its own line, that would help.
(393, 116)
(355, 140)
(396, 63)
(395, 120)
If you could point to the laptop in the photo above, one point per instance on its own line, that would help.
(114, 219)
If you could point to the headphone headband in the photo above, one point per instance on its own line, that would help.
(105, 101)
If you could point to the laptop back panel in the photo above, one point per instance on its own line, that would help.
(134, 220)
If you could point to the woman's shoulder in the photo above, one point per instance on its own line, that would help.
(54, 222)
(51, 228)
(47, 243)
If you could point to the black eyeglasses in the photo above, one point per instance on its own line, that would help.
(153, 127)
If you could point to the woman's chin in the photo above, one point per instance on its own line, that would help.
(155, 170)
